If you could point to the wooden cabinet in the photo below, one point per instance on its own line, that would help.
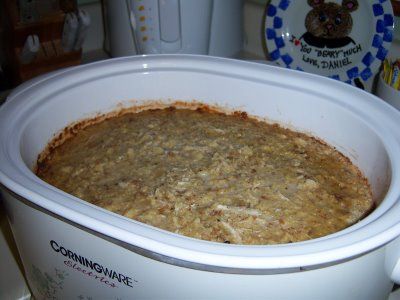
(48, 27)
(396, 7)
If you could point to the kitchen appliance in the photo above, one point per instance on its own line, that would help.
(71, 248)
(213, 27)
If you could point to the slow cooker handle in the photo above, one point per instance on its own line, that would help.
(392, 260)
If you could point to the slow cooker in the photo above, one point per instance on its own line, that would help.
(72, 249)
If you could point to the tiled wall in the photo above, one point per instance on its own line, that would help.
(253, 28)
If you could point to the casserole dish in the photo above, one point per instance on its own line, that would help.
(71, 248)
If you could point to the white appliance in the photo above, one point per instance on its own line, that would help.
(71, 249)
(213, 27)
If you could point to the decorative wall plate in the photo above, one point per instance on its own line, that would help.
(343, 39)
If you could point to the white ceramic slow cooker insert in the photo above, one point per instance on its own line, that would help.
(47, 222)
